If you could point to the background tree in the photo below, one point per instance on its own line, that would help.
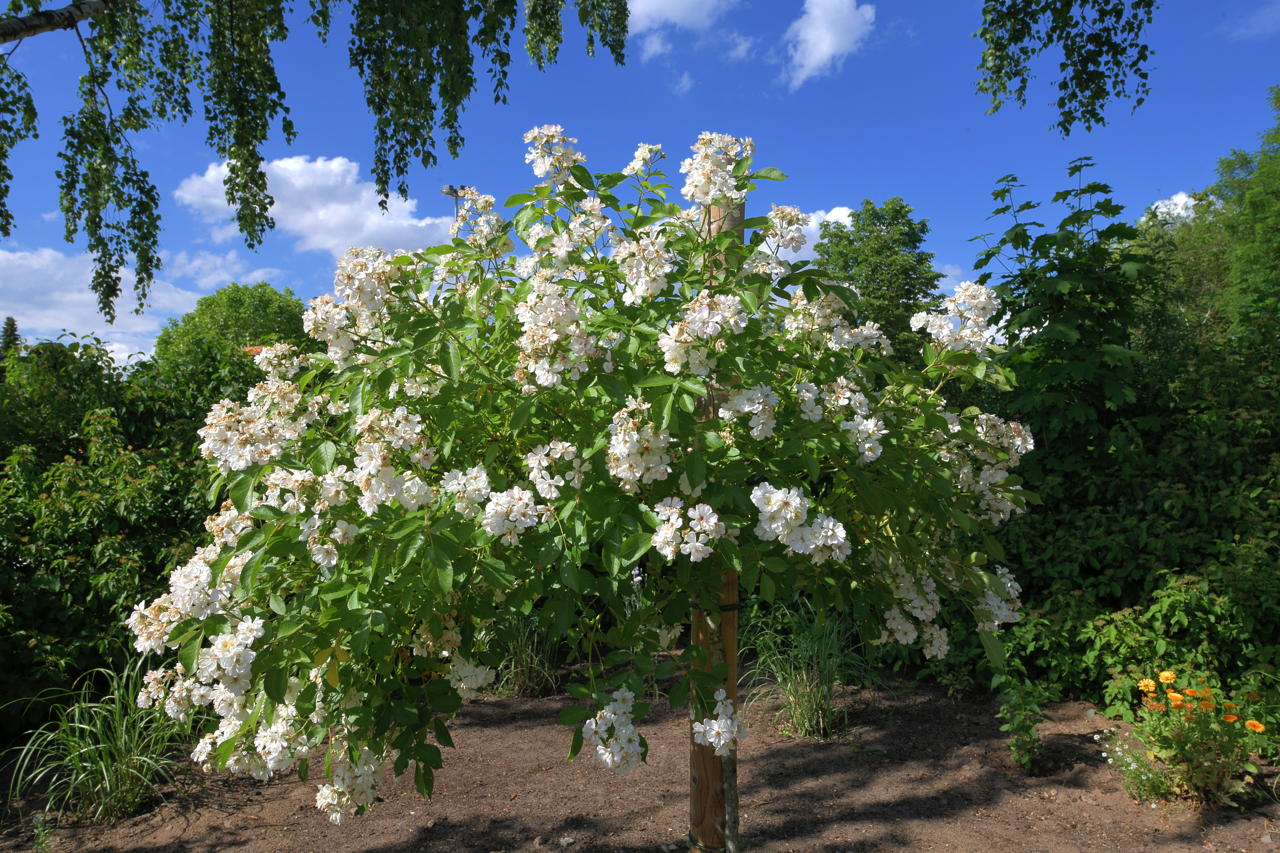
(9, 341)
(880, 255)
(9, 337)
(418, 63)
(48, 389)
(200, 358)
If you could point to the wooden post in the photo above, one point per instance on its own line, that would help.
(713, 781)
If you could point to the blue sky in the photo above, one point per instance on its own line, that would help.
(852, 100)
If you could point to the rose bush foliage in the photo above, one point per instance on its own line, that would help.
(600, 426)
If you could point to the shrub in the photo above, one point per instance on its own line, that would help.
(1202, 740)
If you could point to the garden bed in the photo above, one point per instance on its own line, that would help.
(917, 770)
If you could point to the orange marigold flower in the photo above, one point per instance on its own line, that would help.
(1254, 726)
(1231, 706)
(1189, 717)
(1206, 705)
(1201, 678)
(1146, 685)
(1230, 718)
(1175, 699)
(1168, 676)
(1190, 691)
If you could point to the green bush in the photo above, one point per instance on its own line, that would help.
(81, 541)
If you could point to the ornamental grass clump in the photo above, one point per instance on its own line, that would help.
(1194, 739)
(611, 410)
(101, 756)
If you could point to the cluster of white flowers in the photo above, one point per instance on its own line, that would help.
(469, 678)
(352, 785)
(542, 459)
(470, 489)
(613, 733)
(510, 512)
(645, 158)
(645, 262)
(1008, 442)
(709, 172)
(690, 341)
(551, 153)
(363, 282)
(555, 342)
(724, 731)
(1000, 607)
(237, 435)
(783, 513)
(865, 433)
(326, 320)
(822, 322)
(376, 476)
(965, 325)
(694, 541)
(758, 402)
(637, 449)
(786, 227)
(475, 216)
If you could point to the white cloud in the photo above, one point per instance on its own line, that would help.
(740, 46)
(827, 32)
(47, 291)
(952, 275)
(210, 270)
(323, 204)
(684, 84)
(654, 44)
(1177, 206)
(690, 14)
(1262, 23)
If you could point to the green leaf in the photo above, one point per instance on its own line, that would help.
(442, 732)
(322, 458)
(582, 177)
(241, 489)
(573, 715)
(190, 652)
(576, 746)
(275, 683)
(768, 589)
(452, 360)
(443, 565)
(769, 174)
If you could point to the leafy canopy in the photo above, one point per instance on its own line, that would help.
(150, 64)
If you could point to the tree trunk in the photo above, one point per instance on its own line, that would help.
(14, 29)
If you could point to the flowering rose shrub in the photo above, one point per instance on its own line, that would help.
(639, 404)
(1195, 739)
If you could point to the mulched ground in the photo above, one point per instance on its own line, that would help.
(918, 770)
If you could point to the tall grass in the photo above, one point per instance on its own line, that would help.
(531, 659)
(101, 756)
(804, 655)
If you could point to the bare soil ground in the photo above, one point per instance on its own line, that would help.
(917, 770)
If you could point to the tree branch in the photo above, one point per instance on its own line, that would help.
(15, 29)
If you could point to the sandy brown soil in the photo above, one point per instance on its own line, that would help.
(917, 771)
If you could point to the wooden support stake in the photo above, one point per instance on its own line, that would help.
(713, 781)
